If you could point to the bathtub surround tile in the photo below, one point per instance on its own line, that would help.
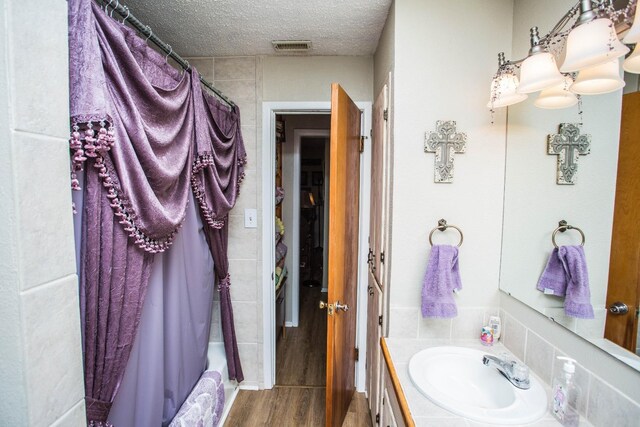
(51, 327)
(403, 323)
(248, 198)
(204, 66)
(244, 278)
(468, 323)
(236, 68)
(539, 356)
(215, 332)
(243, 242)
(238, 90)
(607, 407)
(249, 358)
(246, 322)
(44, 200)
(37, 106)
(74, 417)
(514, 336)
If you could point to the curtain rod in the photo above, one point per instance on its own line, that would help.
(124, 12)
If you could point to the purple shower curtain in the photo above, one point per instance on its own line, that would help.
(145, 135)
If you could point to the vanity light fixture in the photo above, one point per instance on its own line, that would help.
(504, 87)
(539, 71)
(598, 80)
(588, 36)
(593, 41)
(557, 96)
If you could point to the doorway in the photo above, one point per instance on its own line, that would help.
(270, 329)
(301, 178)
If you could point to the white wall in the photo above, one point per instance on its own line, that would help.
(384, 57)
(445, 55)
(309, 78)
(41, 380)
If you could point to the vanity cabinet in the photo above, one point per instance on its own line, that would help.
(390, 411)
(394, 410)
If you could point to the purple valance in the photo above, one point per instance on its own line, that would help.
(145, 134)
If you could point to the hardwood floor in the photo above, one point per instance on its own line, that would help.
(298, 399)
(301, 354)
(291, 407)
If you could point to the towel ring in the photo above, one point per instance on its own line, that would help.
(564, 227)
(442, 226)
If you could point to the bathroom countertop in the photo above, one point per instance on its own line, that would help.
(426, 413)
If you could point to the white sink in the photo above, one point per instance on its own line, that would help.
(456, 379)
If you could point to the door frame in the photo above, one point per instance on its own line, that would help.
(269, 111)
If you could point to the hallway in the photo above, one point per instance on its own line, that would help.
(301, 355)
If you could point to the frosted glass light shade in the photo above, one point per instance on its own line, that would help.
(632, 63)
(557, 96)
(503, 91)
(592, 44)
(633, 35)
(600, 79)
(539, 71)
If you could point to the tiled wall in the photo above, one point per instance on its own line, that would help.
(41, 380)
(236, 78)
(409, 323)
(601, 403)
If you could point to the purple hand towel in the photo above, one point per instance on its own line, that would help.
(566, 276)
(553, 280)
(441, 279)
(577, 301)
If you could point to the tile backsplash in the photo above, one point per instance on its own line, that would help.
(601, 403)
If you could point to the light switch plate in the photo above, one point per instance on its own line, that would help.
(250, 218)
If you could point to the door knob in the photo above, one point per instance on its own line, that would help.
(343, 307)
(618, 308)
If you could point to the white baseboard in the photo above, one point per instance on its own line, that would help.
(249, 387)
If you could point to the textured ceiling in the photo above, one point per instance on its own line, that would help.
(246, 27)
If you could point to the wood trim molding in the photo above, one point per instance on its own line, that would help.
(402, 400)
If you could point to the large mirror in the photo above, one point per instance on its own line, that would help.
(535, 202)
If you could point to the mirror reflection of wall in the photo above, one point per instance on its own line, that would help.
(535, 203)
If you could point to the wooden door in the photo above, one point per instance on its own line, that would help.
(376, 248)
(374, 330)
(344, 190)
(624, 269)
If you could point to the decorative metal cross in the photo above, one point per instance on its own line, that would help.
(568, 144)
(445, 141)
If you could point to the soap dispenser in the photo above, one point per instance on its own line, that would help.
(565, 394)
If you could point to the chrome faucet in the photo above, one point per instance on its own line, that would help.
(516, 373)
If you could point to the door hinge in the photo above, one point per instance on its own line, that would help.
(380, 320)
(362, 143)
(385, 114)
(377, 418)
(381, 257)
(357, 354)
(370, 256)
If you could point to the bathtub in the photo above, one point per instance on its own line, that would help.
(217, 361)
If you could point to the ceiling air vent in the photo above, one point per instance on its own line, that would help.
(291, 45)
